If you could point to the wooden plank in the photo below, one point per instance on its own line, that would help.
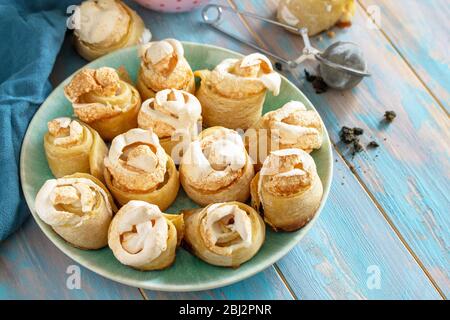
(408, 175)
(420, 31)
(402, 278)
(31, 267)
(350, 244)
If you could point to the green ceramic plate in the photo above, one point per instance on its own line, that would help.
(188, 273)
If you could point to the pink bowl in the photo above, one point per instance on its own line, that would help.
(172, 5)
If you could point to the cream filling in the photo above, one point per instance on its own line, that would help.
(100, 20)
(141, 158)
(144, 232)
(157, 51)
(63, 124)
(274, 162)
(140, 167)
(290, 133)
(271, 80)
(223, 155)
(77, 192)
(241, 224)
(180, 113)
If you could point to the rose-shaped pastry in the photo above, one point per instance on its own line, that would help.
(79, 208)
(216, 167)
(103, 26)
(287, 190)
(105, 102)
(224, 234)
(138, 168)
(233, 94)
(143, 237)
(316, 15)
(72, 146)
(174, 116)
(291, 126)
(163, 66)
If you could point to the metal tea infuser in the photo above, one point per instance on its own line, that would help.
(342, 65)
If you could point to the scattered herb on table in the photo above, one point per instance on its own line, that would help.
(278, 66)
(317, 82)
(389, 116)
(373, 144)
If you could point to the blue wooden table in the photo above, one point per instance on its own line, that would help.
(385, 231)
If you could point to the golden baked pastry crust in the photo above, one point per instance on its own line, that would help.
(101, 99)
(132, 37)
(74, 147)
(217, 179)
(232, 95)
(288, 189)
(233, 245)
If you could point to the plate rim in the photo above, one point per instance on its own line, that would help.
(170, 287)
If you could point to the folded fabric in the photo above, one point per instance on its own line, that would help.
(31, 34)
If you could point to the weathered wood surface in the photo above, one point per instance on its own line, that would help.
(371, 247)
(31, 267)
(420, 31)
(408, 175)
(352, 238)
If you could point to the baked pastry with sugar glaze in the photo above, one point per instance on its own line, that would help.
(72, 146)
(233, 94)
(287, 190)
(106, 26)
(316, 15)
(143, 237)
(104, 101)
(216, 167)
(163, 66)
(291, 126)
(224, 234)
(79, 208)
(175, 117)
(138, 168)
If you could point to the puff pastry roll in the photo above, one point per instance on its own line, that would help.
(287, 190)
(163, 66)
(233, 94)
(105, 26)
(101, 99)
(175, 117)
(143, 237)
(291, 126)
(79, 208)
(72, 146)
(138, 168)
(216, 167)
(224, 234)
(316, 15)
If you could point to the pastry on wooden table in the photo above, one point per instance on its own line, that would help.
(233, 94)
(79, 208)
(175, 117)
(287, 190)
(143, 237)
(163, 66)
(216, 167)
(291, 126)
(138, 168)
(72, 146)
(224, 234)
(316, 15)
(104, 101)
(105, 26)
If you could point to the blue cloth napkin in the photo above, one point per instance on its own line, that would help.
(31, 34)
